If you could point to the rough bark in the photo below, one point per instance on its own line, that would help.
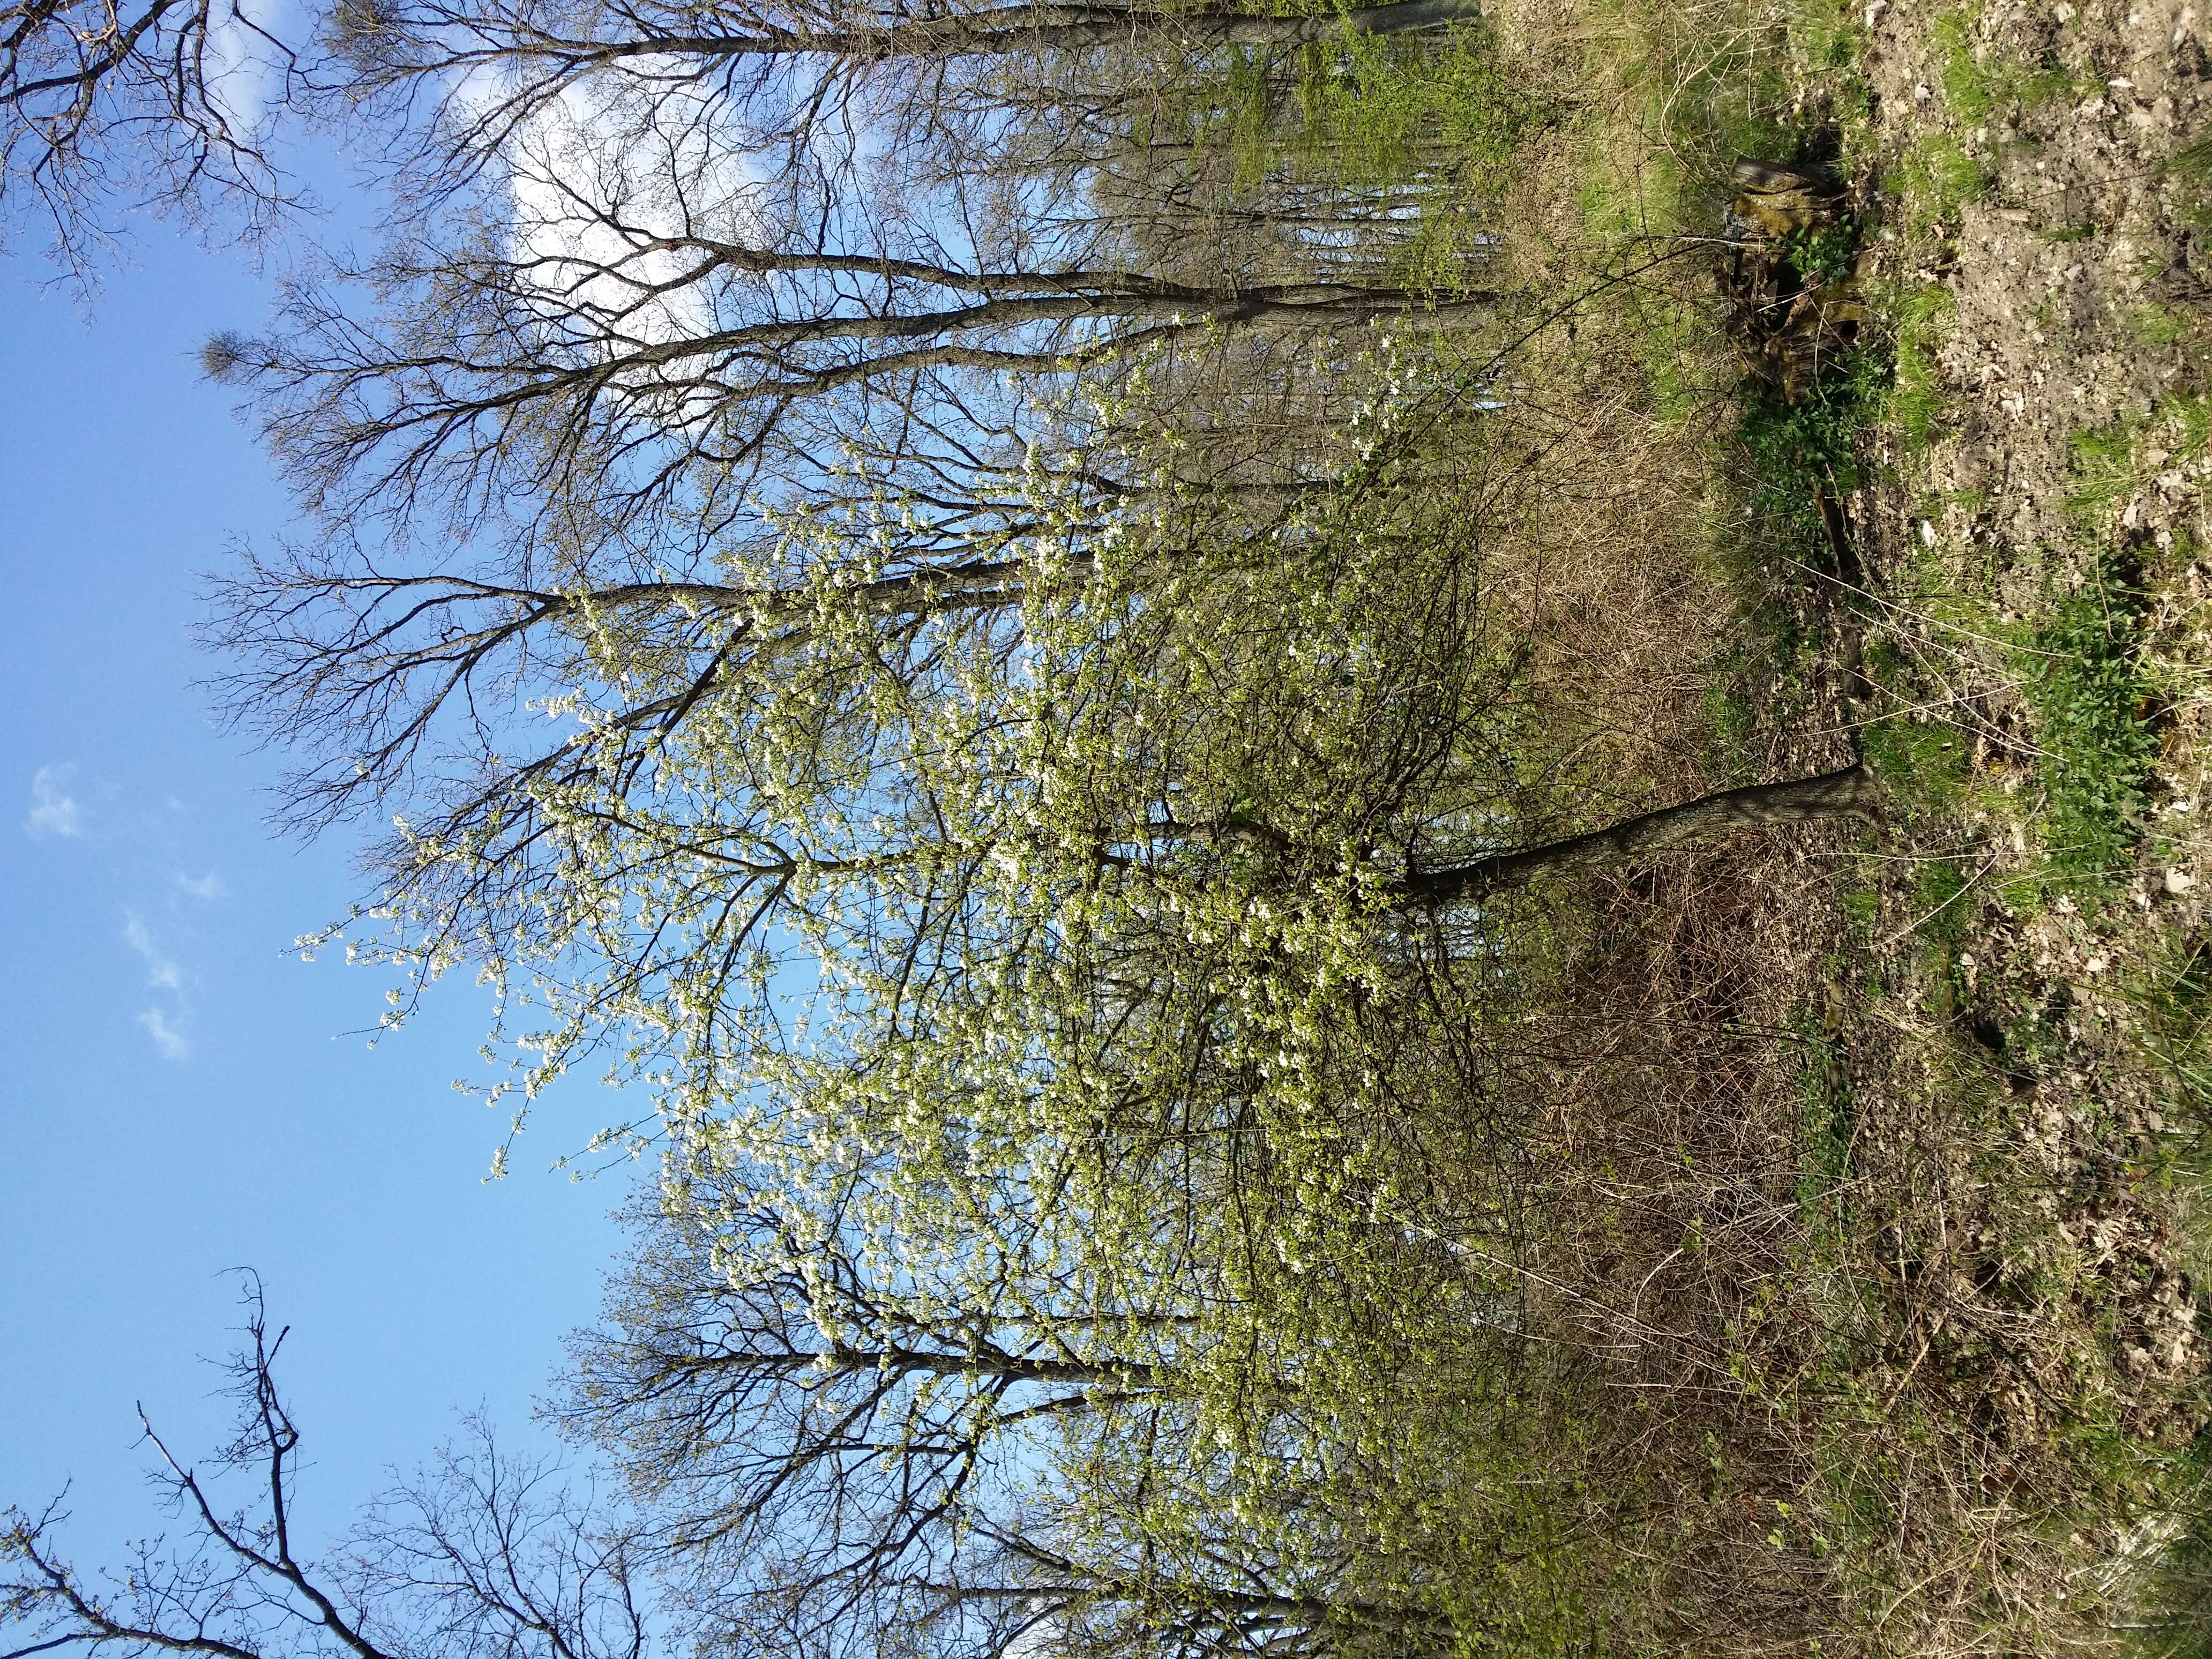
(1848, 793)
(1023, 29)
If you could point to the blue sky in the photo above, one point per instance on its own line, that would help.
(181, 1095)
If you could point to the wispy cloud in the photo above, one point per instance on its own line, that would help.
(54, 810)
(207, 888)
(162, 972)
(167, 1036)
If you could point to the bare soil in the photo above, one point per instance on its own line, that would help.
(2022, 1255)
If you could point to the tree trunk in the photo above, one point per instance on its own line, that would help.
(1849, 793)
(1404, 18)
(1025, 28)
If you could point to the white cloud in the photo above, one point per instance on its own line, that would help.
(241, 63)
(54, 810)
(207, 888)
(605, 170)
(167, 1036)
(164, 1026)
(162, 973)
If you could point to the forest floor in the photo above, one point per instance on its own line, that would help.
(1990, 1362)
(2017, 1014)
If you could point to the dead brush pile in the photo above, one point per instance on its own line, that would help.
(1671, 1252)
(1598, 537)
(1662, 1190)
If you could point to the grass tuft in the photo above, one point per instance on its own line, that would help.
(1921, 322)
(2112, 464)
(2086, 685)
(1977, 91)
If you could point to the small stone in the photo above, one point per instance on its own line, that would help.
(2179, 881)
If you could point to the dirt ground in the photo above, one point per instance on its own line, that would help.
(2081, 228)
(2013, 1058)
(1981, 1361)
(2078, 278)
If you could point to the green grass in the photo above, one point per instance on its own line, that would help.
(2086, 684)
(1861, 909)
(1936, 180)
(1921, 321)
(2112, 463)
(1731, 726)
(1977, 91)
(2172, 997)
(2154, 327)
(1938, 902)
(2191, 169)
(1927, 761)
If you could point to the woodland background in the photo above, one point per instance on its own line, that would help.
(1387, 820)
